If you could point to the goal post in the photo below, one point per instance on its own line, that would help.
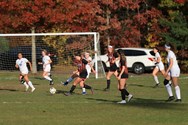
(96, 44)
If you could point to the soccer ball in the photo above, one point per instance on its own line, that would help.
(52, 90)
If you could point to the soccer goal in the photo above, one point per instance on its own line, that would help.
(61, 48)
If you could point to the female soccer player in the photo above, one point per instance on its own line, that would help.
(112, 58)
(46, 66)
(21, 63)
(89, 68)
(81, 64)
(122, 77)
(159, 66)
(172, 72)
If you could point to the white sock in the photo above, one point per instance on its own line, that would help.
(31, 85)
(25, 84)
(156, 79)
(178, 94)
(83, 89)
(169, 90)
(48, 78)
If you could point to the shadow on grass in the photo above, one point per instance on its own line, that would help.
(102, 100)
(139, 85)
(147, 103)
(5, 89)
(156, 104)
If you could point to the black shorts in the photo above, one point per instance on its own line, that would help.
(124, 76)
(113, 68)
(83, 74)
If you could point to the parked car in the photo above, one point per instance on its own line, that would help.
(8, 58)
(139, 60)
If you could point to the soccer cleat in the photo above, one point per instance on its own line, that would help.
(171, 98)
(129, 97)
(122, 102)
(26, 88)
(51, 82)
(33, 89)
(156, 86)
(84, 93)
(106, 89)
(178, 100)
(67, 94)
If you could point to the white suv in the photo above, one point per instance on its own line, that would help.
(139, 60)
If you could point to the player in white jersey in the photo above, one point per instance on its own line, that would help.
(159, 66)
(172, 72)
(21, 63)
(47, 67)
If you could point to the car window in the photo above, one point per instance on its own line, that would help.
(152, 53)
(134, 53)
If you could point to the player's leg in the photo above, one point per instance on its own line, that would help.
(22, 81)
(29, 82)
(175, 75)
(83, 87)
(154, 73)
(122, 90)
(108, 76)
(46, 76)
(168, 88)
(77, 81)
(177, 88)
(70, 79)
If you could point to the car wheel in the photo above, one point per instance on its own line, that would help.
(138, 68)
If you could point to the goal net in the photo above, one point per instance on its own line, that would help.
(61, 48)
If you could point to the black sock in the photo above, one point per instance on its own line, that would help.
(72, 88)
(123, 94)
(87, 86)
(108, 84)
(126, 92)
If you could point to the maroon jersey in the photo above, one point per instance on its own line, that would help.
(81, 65)
(123, 63)
(112, 57)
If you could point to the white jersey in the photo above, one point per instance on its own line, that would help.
(175, 70)
(88, 67)
(160, 64)
(22, 64)
(46, 65)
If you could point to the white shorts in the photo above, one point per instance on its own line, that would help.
(24, 72)
(175, 72)
(88, 68)
(47, 69)
(160, 66)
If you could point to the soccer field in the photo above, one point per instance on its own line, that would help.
(148, 107)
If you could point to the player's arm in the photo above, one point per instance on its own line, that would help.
(30, 65)
(170, 65)
(16, 66)
(122, 71)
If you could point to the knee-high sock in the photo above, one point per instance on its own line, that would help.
(87, 86)
(123, 94)
(126, 92)
(156, 79)
(178, 93)
(25, 84)
(169, 89)
(108, 84)
(83, 89)
(72, 88)
(48, 78)
(30, 84)
(69, 79)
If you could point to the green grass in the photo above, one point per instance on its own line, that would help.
(40, 108)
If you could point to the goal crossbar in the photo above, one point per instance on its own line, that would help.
(95, 35)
